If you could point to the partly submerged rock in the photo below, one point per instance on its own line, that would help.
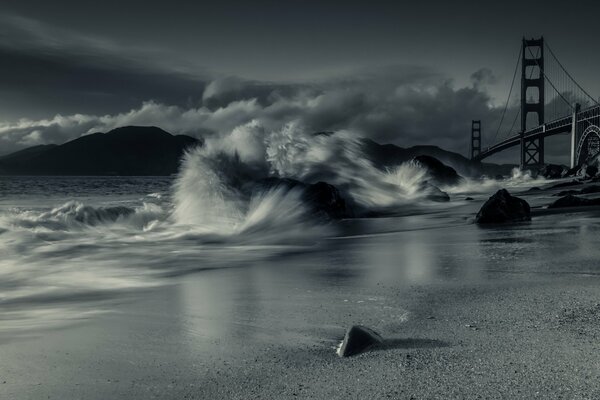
(584, 171)
(502, 207)
(433, 193)
(566, 184)
(533, 190)
(441, 174)
(326, 198)
(587, 171)
(570, 172)
(553, 171)
(358, 339)
(585, 190)
(323, 199)
(574, 201)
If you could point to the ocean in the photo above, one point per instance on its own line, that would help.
(73, 247)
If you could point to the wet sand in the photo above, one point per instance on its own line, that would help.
(514, 338)
(467, 312)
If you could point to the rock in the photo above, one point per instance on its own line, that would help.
(566, 184)
(590, 189)
(440, 173)
(324, 199)
(323, 133)
(587, 171)
(358, 339)
(469, 198)
(502, 207)
(553, 171)
(584, 171)
(566, 193)
(574, 201)
(434, 193)
(570, 172)
(592, 171)
(533, 190)
(585, 190)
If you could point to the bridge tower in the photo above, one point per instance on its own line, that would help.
(475, 138)
(532, 151)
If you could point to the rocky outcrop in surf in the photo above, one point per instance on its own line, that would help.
(574, 201)
(440, 173)
(553, 171)
(585, 190)
(323, 200)
(502, 207)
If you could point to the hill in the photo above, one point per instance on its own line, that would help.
(138, 150)
(130, 150)
(385, 155)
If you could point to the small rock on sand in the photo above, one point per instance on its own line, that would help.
(358, 339)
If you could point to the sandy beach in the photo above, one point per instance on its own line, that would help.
(465, 313)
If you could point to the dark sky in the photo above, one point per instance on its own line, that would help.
(96, 58)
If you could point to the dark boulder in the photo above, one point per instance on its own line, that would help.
(323, 199)
(534, 189)
(571, 172)
(326, 199)
(469, 199)
(502, 207)
(585, 190)
(587, 171)
(574, 201)
(590, 189)
(358, 339)
(566, 184)
(566, 193)
(434, 193)
(553, 171)
(440, 173)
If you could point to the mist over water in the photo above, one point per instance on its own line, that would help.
(72, 245)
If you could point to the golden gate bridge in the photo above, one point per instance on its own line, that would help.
(570, 110)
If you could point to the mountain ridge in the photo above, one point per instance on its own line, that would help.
(150, 150)
(127, 151)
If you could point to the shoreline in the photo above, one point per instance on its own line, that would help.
(511, 327)
(504, 339)
(509, 311)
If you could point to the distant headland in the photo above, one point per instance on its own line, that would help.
(151, 151)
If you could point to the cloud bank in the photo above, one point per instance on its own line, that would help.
(402, 105)
(94, 85)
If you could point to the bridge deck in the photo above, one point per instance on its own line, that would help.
(555, 127)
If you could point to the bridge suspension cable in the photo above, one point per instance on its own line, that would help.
(568, 74)
(567, 91)
(512, 126)
(552, 84)
(512, 84)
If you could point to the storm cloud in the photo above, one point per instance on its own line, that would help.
(46, 71)
(402, 105)
(58, 85)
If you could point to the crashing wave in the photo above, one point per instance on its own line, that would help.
(216, 188)
(77, 215)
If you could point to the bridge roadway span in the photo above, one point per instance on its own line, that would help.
(558, 126)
